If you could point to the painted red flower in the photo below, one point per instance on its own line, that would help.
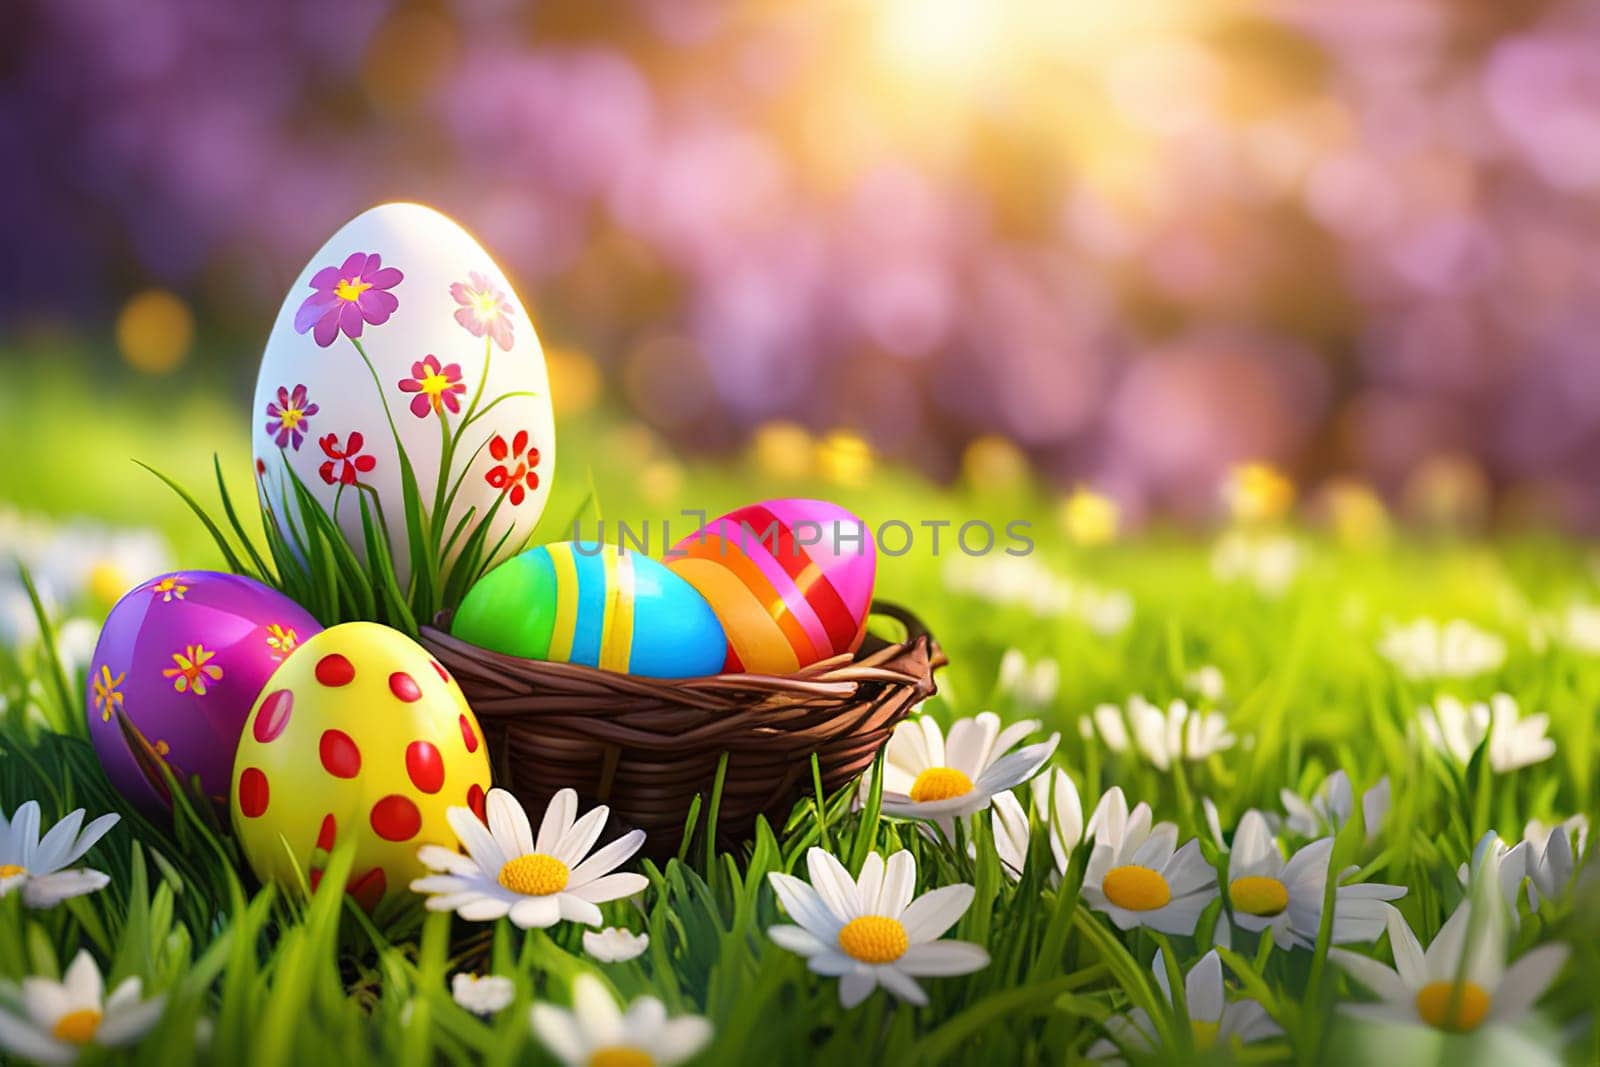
(344, 463)
(435, 387)
(514, 474)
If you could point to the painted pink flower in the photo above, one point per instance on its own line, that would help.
(289, 415)
(514, 475)
(344, 463)
(484, 309)
(348, 296)
(435, 387)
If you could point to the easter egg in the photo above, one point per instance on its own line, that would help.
(791, 581)
(401, 338)
(363, 736)
(595, 605)
(183, 657)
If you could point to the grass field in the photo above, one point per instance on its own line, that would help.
(246, 975)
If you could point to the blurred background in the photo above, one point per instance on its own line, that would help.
(1120, 246)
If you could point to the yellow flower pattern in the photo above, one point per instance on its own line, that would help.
(281, 639)
(171, 588)
(194, 670)
(107, 697)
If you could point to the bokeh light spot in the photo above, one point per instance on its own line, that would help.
(155, 331)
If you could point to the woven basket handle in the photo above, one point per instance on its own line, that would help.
(916, 629)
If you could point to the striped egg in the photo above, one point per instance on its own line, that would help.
(595, 605)
(791, 581)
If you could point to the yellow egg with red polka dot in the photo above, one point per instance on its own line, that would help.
(359, 735)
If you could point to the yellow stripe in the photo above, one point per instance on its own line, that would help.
(759, 642)
(566, 623)
(616, 631)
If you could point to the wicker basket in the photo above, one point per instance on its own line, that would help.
(649, 746)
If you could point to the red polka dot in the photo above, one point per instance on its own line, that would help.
(326, 834)
(405, 687)
(475, 802)
(253, 793)
(261, 467)
(468, 734)
(369, 888)
(273, 716)
(425, 766)
(442, 672)
(334, 670)
(396, 818)
(340, 756)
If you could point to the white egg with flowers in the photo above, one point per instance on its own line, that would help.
(402, 343)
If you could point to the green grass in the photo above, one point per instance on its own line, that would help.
(286, 982)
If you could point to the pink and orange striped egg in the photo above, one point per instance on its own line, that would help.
(790, 580)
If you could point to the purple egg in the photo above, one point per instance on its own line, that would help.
(183, 658)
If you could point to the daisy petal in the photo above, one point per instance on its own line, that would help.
(833, 884)
(932, 958)
(608, 858)
(1526, 980)
(931, 914)
(902, 985)
(557, 821)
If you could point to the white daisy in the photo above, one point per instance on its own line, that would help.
(1138, 876)
(1504, 865)
(1457, 729)
(1331, 805)
(1055, 801)
(1457, 649)
(482, 994)
(1012, 834)
(1580, 628)
(869, 931)
(65, 1017)
(42, 868)
(1268, 892)
(1270, 562)
(75, 644)
(596, 1033)
(1214, 1021)
(1023, 581)
(1454, 986)
(1165, 738)
(536, 882)
(1104, 611)
(1553, 855)
(926, 776)
(1108, 722)
(1207, 683)
(1030, 685)
(614, 944)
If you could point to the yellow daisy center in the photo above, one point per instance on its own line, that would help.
(1205, 1034)
(77, 1027)
(874, 939)
(11, 870)
(535, 875)
(290, 418)
(434, 384)
(621, 1056)
(1459, 1007)
(484, 301)
(1258, 895)
(350, 289)
(940, 783)
(1136, 888)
